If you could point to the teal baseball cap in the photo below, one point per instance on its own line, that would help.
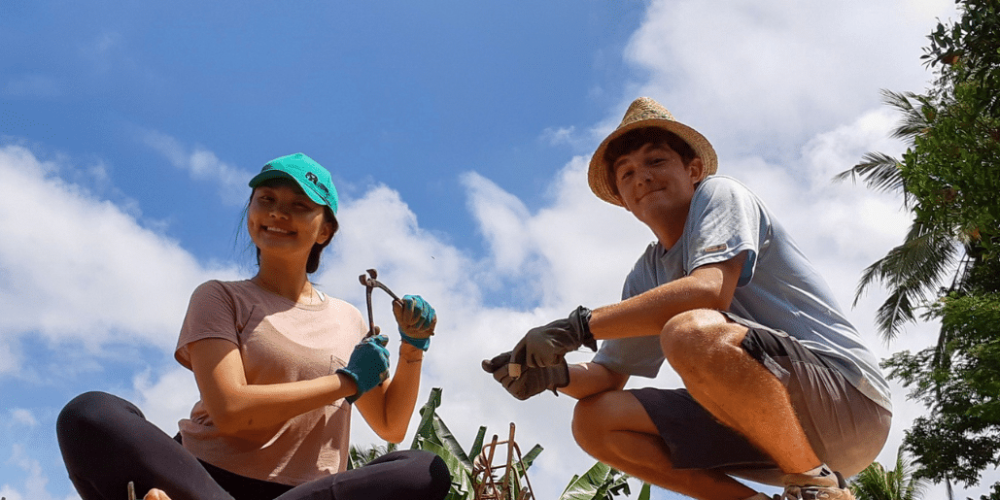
(311, 177)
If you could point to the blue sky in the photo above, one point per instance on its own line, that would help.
(457, 134)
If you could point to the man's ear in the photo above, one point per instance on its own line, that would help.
(697, 169)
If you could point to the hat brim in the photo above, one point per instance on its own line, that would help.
(598, 174)
(276, 174)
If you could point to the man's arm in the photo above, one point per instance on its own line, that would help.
(707, 287)
(587, 379)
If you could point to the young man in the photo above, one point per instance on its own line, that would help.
(778, 386)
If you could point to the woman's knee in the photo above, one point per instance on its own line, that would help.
(427, 473)
(90, 411)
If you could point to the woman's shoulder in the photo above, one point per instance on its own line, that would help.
(216, 287)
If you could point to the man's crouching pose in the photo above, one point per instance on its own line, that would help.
(778, 385)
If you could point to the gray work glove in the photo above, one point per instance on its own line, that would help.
(531, 381)
(547, 345)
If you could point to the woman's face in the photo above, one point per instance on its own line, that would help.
(281, 218)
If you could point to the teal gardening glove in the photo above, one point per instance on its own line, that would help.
(368, 366)
(416, 319)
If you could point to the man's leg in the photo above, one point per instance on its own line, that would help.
(614, 428)
(704, 349)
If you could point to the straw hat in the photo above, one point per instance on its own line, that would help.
(645, 112)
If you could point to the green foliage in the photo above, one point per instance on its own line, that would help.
(358, 457)
(960, 379)
(877, 483)
(599, 483)
(950, 178)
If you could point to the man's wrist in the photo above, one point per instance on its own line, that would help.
(580, 319)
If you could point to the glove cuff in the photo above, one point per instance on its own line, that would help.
(580, 319)
(561, 376)
(422, 344)
(353, 397)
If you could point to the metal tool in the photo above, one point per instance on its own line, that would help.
(370, 284)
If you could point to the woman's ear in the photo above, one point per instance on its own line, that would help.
(325, 233)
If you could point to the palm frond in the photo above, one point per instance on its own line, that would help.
(918, 112)
(911, 271)
(877, 483)
(879, 171)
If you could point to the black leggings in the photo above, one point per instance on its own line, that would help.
(107, 442)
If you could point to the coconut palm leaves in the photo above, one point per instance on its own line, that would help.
(913, 271)
(877, 483)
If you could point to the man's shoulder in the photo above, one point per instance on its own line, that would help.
(720, 184)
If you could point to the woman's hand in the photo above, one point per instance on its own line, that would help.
(416, 319)
(368, 366)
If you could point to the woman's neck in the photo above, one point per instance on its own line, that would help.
(289, 281)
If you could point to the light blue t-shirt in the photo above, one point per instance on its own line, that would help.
(778, 286)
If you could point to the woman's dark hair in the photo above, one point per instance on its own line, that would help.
(634, 140)
(312, 264)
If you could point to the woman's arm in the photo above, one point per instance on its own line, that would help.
(387, 408)
(236, 406)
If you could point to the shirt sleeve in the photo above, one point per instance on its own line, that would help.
(725, 219)
(211, 313)
(640, 356)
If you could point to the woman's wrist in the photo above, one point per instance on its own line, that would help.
(410, 354)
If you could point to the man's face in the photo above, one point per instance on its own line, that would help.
(655, 185)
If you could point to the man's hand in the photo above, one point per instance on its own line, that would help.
(416, 319)
(368, 366)
(531, 381)
(547, 345)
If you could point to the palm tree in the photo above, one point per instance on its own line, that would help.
(876, 483)
(914, 270)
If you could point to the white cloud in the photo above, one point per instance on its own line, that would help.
(773, 74)
(23, 417)
(168, 398)
(786, 91)
(202, 165)
(79, 269)
(35, 479)
(561, 135)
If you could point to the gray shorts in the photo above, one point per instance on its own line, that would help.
(844, 427)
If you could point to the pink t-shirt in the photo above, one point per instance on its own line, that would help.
(280, 341)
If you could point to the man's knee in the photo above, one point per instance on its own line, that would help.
(587, 422)
(690, 334)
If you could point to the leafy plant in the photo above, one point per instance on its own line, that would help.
(601, 482)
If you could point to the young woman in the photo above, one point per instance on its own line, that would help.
(279, 365)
